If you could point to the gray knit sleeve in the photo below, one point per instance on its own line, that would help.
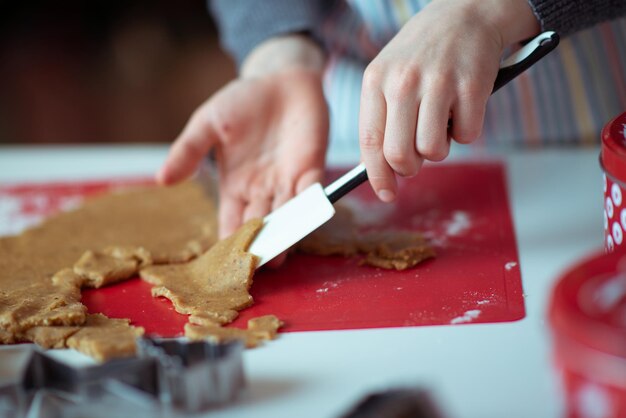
(243, 24)
(568, 16)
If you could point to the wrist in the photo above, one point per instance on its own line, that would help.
(284, 53)
(513, 19)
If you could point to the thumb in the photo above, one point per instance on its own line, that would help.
(189, 148)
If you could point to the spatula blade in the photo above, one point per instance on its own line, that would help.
(291, 222)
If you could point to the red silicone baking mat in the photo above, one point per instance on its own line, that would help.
(462, 207)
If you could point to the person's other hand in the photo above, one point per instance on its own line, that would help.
(441, 65)
(269, 132)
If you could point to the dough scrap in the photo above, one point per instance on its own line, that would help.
(40, 303)
(215, 285)
(99, 337)
(259, 329)
(50, 337)
(399, 250)
(43, 269)
(265, 326)
(103, 338)
(97, 269)
(336, 237)
(387, 249)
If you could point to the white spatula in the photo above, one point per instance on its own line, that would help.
(313, 207)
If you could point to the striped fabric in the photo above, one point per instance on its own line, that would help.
(565, 99)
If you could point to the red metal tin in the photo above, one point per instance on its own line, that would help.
(588, 322)
(613, 162)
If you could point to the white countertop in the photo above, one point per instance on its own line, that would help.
(481, 370)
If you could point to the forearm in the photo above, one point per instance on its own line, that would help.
(244, 25)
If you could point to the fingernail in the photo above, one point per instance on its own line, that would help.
(386, 195)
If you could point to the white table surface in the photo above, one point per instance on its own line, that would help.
(482, 370)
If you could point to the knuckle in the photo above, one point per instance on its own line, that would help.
(222, 122)
(465, 135)
(260, 188)
(373, 76)
(439, 84)
(472, 89)
(378, 180)
(433, 151)
(371, 138)
(189, 148)
(201, 117)
(396, 156)
(403, 163)
(222, 117)
(403, 84)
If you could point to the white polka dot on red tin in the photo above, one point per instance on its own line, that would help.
(609, 243)
(616, 194)
(609, 207)
(606, 218)
(618, 234)
(593, 401)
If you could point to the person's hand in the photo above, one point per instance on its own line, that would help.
(442, 65)
(268, 129)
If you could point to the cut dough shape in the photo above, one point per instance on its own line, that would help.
(213, 286)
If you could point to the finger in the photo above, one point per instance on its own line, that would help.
(257, 207)
(189, 148)
(308, 178)
(468, 114)
(285, 190)
(230, 214)
(371, 136)
(432, 128)
(399, 145)
(277, 261)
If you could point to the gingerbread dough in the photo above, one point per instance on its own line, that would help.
(388, 249)
(103, 338)
(43, 269)
(155, 232)
(214, 286)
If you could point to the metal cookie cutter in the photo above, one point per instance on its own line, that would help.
(168, 377)
(195, 375)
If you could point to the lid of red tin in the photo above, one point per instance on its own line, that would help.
(614, 148)
(589, 304)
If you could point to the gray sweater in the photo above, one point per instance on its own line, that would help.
(245, 23)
